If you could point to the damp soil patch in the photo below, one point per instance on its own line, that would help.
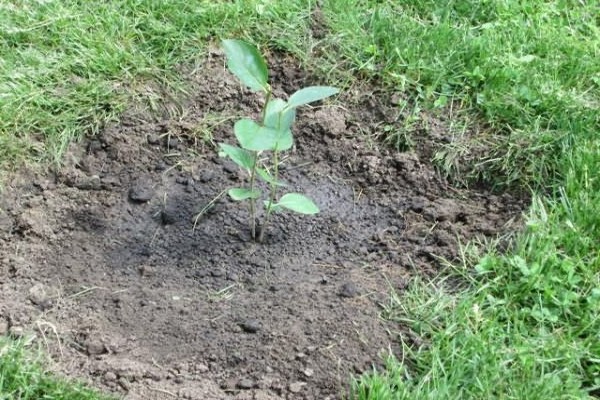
(103, 263)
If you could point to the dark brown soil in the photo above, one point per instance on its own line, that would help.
(101, 262)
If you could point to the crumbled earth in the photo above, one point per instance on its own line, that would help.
(105, 262)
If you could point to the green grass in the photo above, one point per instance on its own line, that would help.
(528, 70)
(22, 377)
(526, 324)
(67, 67)
(525, 78)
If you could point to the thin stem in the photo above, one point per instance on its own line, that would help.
(264, 110)
(272, 196)
(253, 172)
(252, 200)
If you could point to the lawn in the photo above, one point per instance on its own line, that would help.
(23, 377)
(519, 79)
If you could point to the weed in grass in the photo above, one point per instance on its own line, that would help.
(203, 131)
(401, 138)
(272, 134)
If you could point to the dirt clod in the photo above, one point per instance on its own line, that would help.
(89, 183)
(331, 121)
(201, 368)
(95, 347)
(125, 384)
(141, 191)
(110, 376)
(245, 384)
(206, 176)
(154, 139)
(41, 295)
(297, 387)
(349, 290)
(250, 325)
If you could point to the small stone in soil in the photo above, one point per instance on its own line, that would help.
(146, 270)
(89, 183)
(141, 192)
(160, 166)
(201, 368)
(245, 384)
(264, 395)
(38, 294)
(309, 372)
(228, 385)
(110, 376)
(349, 290)
(153, 139)
(250, 325)
(296, 387)
(124, 383)
(206, 176)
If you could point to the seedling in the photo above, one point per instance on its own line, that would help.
(260, 143)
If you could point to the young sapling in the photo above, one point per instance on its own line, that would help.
(260, 143)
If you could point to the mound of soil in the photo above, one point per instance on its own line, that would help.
(101, 260)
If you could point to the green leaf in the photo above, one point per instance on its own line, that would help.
(267, 177)
(310, 94)
(243, 193)
(241, 157)
(278, 116)
(298, 203)
(255, 137)
(441, 102)
(274, 207)
(245, 62)
(285, 140)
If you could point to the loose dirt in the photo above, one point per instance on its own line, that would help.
(101, 261)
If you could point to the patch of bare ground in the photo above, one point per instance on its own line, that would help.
(101, 262)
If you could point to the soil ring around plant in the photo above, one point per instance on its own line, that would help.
(101, 260)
